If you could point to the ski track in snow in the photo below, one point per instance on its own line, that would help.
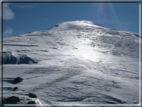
(78, 63)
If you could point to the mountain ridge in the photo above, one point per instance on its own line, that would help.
(75, 63)
(74, 36)
(85, 21)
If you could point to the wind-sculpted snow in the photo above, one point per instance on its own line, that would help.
(77, 62)
(118, 45)
(78, 81)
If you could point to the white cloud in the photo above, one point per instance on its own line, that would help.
(7, 12)
(8, 31)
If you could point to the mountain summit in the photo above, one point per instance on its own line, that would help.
(72, 63)
(73, 38)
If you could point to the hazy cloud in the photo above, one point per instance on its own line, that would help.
(8, 31)
(7, 13)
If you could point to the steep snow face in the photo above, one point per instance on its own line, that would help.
(79, 38)
(78, 62)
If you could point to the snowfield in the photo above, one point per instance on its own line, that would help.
(73, 63)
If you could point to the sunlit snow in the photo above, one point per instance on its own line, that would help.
(73, 63)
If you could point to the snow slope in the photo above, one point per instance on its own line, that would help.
(77, 62)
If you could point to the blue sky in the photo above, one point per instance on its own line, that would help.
(19, 18)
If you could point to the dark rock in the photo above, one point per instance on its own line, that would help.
(31, 102)
(23, 59)
(9, 58)
(16, 88)
(18, 79)
(13, 99)
(32, 95)
(136, 35)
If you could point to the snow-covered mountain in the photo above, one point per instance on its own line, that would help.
(75, 62)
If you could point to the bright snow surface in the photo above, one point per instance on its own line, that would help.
(78, 62)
